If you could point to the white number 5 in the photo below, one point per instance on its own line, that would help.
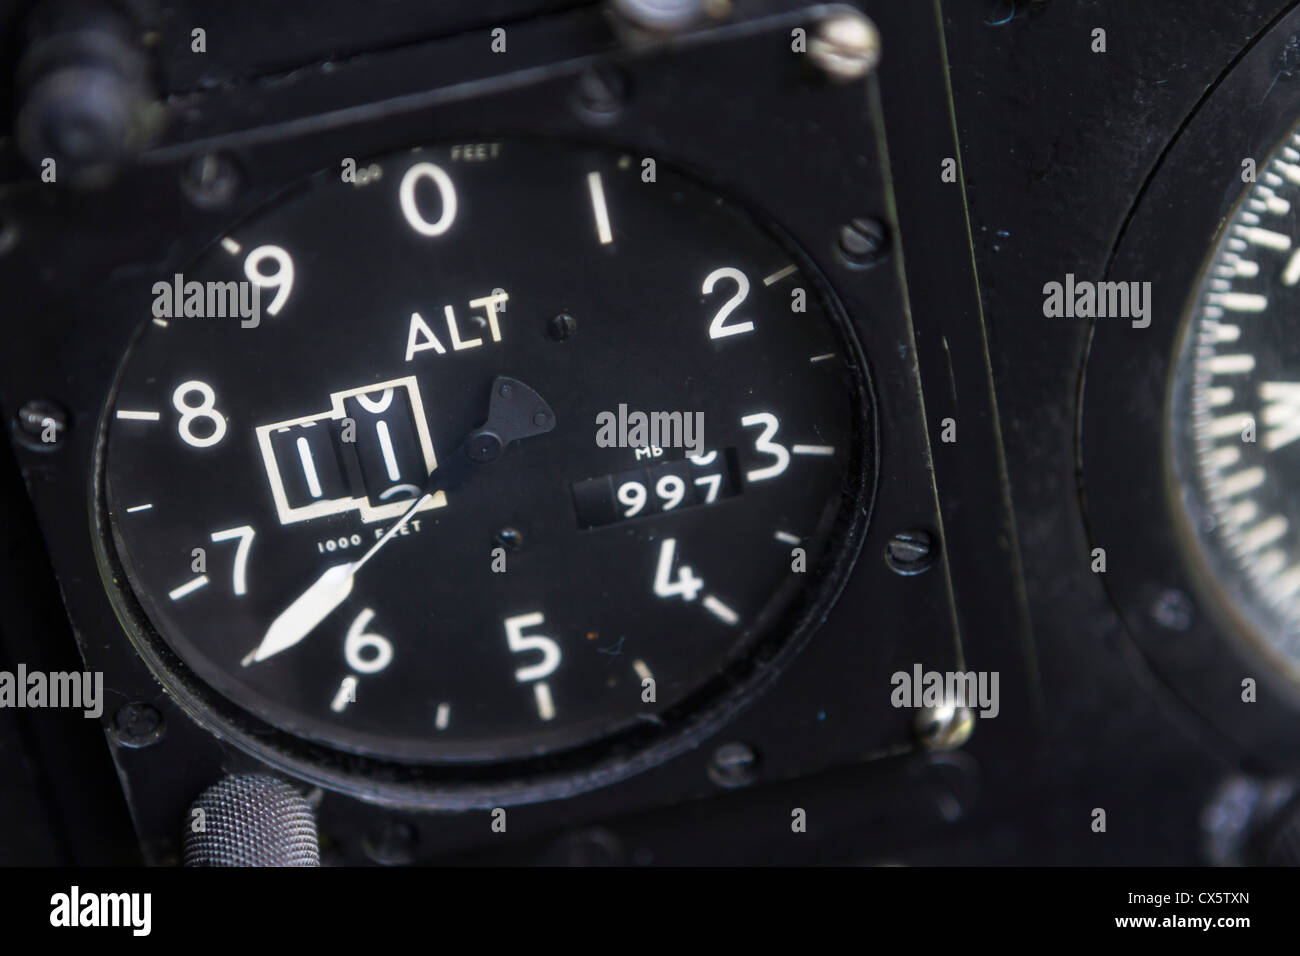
(519, 642)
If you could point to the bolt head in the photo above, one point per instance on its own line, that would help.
(601, 92)
(1173, 610)
(41, 425)
(210, 180)
(659, 16)
(392, 844)
(864, 242)
(509, 538)
(562, 327)
(910, 552)
(137, 725)
(945, 727)
(733, 765)
(846, 47)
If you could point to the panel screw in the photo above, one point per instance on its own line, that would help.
(41, 424)
(602, 91)
(733, 765)
(393, 844)
(509, 538)
(847, 46)
(8, 235)
(594, 847)
(210, 180)
(864, 242)
(562, 327)
(85, 97)
(659, 16)
(945, 727)
(1290, 58)
(137, 725)
(1172, 609)
(910, 552)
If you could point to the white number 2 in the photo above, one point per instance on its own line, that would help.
(719, 328)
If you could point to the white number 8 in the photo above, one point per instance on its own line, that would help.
(205, 409)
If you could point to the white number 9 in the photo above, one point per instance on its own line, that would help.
(672, 490)
(632, 494)
(281, 280)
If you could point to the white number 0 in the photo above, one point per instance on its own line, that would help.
(406, 195)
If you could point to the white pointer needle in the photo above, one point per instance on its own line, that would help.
(301, 617)
(515, 412)
(319, 601)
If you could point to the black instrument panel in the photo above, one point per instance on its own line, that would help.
(910, 459)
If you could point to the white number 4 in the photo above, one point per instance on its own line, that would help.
(686, 584)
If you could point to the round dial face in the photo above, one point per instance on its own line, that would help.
(518, 446)
(1236, 410)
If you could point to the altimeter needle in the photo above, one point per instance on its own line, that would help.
(514, 412)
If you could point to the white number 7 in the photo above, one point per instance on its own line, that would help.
(245, 535)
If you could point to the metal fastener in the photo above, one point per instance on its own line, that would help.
(562, 327)
(733, 765)
(210, 180)
(1172, 609)
(846, 47)
(864, 242)
(910, 552)
(137, 725)
(945, 727)
(41, 424)
(601, 92)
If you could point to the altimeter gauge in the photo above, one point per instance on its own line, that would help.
(332, 519)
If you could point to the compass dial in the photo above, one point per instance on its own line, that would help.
(332, 516)
(1236, 410)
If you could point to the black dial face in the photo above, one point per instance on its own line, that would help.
(267, 478)
(1236, 410)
